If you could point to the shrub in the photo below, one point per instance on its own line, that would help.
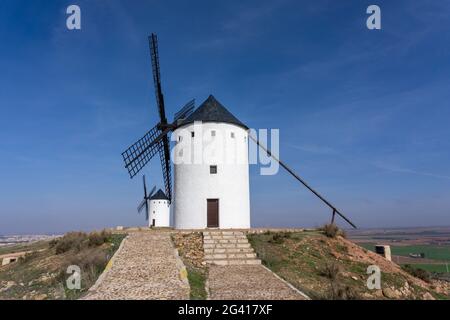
(337, 289)
(332, 231)
(71, 241)
(91, 262)
(418, 273)
(344, 292)
(53, 243)
(331, 270)
(279, 237)
(28, 257)
(98, 238)
(78, 241)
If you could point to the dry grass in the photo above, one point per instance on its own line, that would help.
(331, 268)
(42, 274)
(332, 231)
(78, 241)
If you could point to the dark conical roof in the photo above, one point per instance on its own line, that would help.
(212, 110)
(159, 195)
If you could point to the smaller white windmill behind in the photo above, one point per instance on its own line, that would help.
(157, 207)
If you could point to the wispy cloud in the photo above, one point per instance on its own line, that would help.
(394, 168)
(244, 23)
(313, 148)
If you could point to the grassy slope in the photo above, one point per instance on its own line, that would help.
(24, 247)
(438, 268)
(302, 259)
(431, 251)
(43, 273)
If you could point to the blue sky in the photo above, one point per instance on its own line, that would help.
(363, 115)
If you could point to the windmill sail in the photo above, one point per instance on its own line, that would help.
(186, 111)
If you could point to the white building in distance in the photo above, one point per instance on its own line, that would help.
(159, 207)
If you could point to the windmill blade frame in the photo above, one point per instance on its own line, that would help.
(151, 192)
(165, 152)
(143, 150)
(145, 186)
(153, 42)
(141, 205)
(167, 173)
(186, 111)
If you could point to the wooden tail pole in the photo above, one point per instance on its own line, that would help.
(335, 211)
(334, 214)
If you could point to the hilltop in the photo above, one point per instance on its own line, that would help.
(320, 266)
(336, 268)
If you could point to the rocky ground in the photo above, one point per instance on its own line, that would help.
(228, 282)
(336, 268)
(190, 247)
(147, 267)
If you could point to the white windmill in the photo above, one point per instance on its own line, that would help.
(212, 192)
(157, 207)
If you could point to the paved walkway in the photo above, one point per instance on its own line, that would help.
(146, 267)
(248, 282)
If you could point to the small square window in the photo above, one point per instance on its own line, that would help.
(232, 135)
(213, 133)
(213, 169)
(192, 134)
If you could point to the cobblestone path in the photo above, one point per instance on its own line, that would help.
(248, 282)
(146, 267)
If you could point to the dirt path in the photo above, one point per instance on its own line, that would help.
(146, 267)
(248, 282)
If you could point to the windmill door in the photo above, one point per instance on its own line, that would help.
(213, 213)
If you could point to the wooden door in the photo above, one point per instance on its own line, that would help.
(213, 213)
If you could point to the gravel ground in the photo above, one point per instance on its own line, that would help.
(145, 268)
(247, 282)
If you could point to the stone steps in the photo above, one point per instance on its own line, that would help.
(223, 233)
(236, 236)
(225, 241)
(229, 256)
(230, 262)
(226, 245)
(228, 248)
